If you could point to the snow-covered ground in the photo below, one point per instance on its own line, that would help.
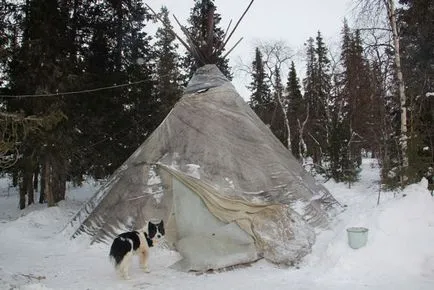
(34, 253)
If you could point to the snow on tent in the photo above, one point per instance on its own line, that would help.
(227, 189)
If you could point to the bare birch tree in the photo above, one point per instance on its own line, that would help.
(372, 10)
(277, 58)
(302, 147)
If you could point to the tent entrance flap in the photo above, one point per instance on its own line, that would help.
(278, 234)
(204, 241)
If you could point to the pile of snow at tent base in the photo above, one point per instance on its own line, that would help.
(34, 254)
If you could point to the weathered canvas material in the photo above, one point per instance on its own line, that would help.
(216, 146)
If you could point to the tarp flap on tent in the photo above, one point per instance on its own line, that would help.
(204, 241)
(280, 234)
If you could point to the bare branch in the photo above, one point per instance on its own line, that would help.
(302, 147)
(378, 45)
(374, 29)
(169, 28)
(236, 25)
(233, 47)
(224, 35)
(276, 54)
(369, 11)
(194, 48)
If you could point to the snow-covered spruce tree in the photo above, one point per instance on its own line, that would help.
(297, 113)
(114, 122)
(317, 86)
(279, 122)
(277, 55)
(416, 30)
(386, 9)
(260, 98)
(39, 65)
(71, 46)
(350, 113)
(168, 76)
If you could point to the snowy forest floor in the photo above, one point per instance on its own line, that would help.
(35, 254)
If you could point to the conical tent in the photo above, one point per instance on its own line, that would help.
(227, 189)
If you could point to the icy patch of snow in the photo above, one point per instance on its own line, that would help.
(83, 192)
(156, 194)
(153, 178)
(37, 286)
(299, 207)
(175, 158)
(192, 170)
(230, 182)
(154, 185)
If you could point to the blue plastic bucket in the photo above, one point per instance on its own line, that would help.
(357, 237)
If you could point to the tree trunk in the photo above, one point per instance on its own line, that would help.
(401, 87)
(35, 178)
(302, 147)
(29, 186)
(43, 178)
(23, 192)
(285, 120)
(316, 151)
(15, 178)
(28, 180)
(58, 181)
(62, 185)
(26, 185)
(48, 182)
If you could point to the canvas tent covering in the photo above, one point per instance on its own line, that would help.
(227, 189)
